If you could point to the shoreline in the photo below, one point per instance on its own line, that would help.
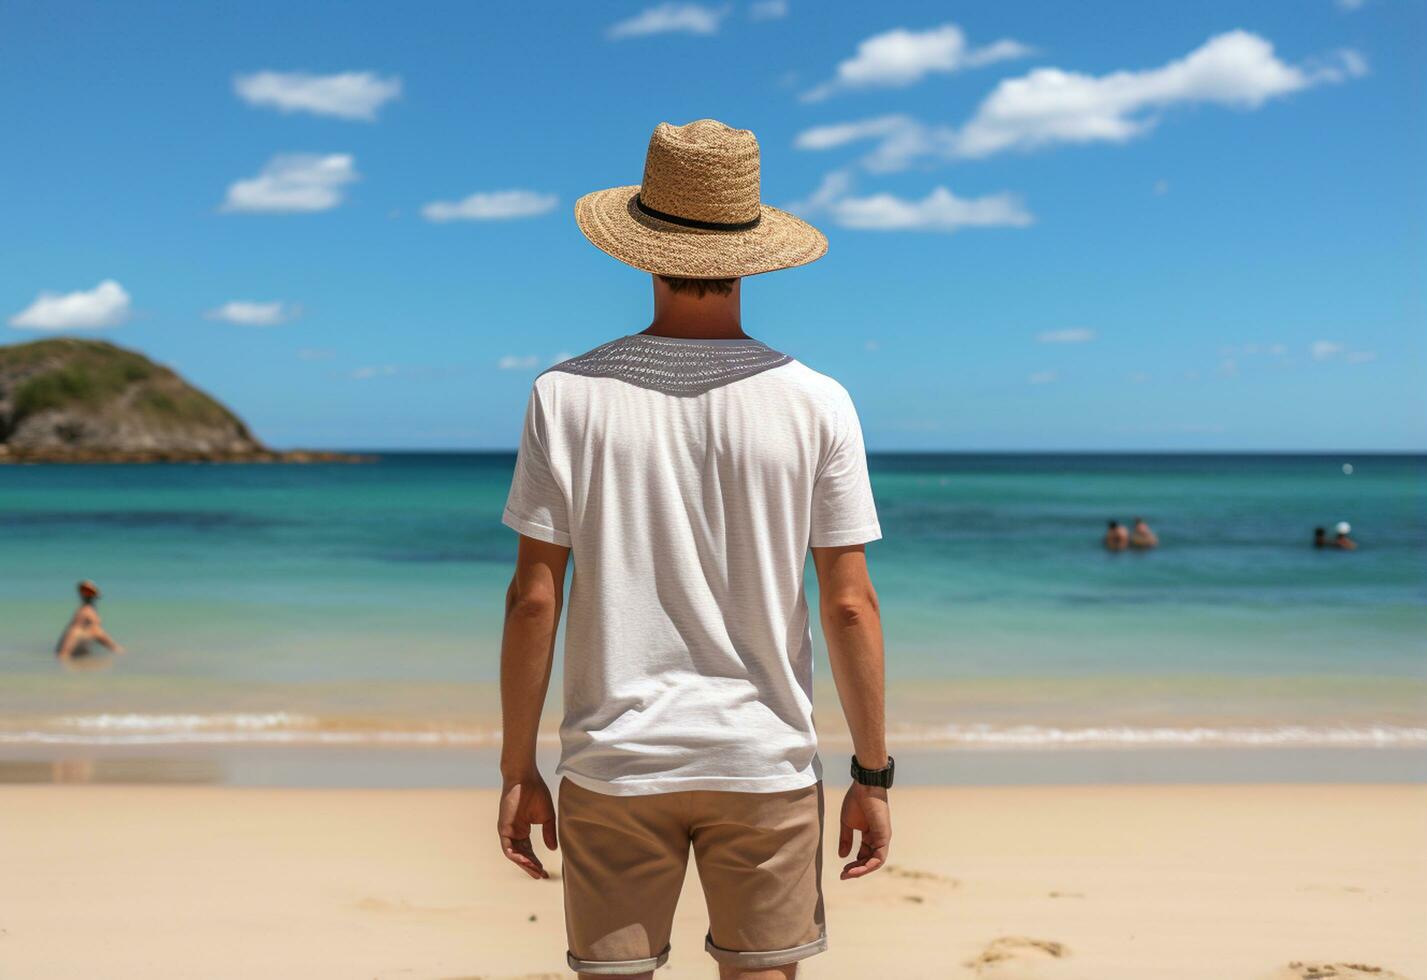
(476, 767)
(1080, 883)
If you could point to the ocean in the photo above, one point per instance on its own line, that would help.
(358, 607)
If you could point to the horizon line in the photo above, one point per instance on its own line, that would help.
(494, 451)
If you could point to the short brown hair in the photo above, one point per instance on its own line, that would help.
(699, 287)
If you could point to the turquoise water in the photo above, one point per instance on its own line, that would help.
(363, 602)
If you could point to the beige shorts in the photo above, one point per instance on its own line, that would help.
(759, 857)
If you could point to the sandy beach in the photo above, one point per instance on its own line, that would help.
(1009, 882)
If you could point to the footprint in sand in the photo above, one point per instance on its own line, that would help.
(915, 874)
(925, 882)
(1307, 970)
(1018, 958)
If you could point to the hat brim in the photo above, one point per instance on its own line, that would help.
(611, 221)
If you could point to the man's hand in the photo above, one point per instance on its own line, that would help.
(865, 809)
(523, 803)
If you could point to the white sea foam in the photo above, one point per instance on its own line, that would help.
(1033, 736)
(270, 728)
(282, 728)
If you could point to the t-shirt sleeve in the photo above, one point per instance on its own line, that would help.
(843, 509)
(536, 505)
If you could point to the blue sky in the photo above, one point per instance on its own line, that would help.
(1132, 226)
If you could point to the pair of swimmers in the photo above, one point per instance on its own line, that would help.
(1342, 537)
(1139, 537)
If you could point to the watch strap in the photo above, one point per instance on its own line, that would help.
(874, 777)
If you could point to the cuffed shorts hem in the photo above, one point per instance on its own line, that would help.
(760, 960)
(619, 968)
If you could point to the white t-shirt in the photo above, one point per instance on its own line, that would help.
(689, 478)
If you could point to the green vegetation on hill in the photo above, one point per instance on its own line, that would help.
(89, 374)
(97, 396)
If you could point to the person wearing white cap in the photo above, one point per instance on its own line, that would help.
(1342, 539)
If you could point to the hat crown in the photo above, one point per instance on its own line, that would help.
(702, 171)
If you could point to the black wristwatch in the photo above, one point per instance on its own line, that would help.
(874, 777)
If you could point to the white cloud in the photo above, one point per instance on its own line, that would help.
(1050, 106)
(670, 18)
(899, 57)
(518, 362)
(900, 140)
(294, 182)
(316, 354)
(377, 371)
(348, 95)
(491, 206)
(106, 305)
(1331, 350)
(1139, 377)
(1351, 5)
(1161, 187)
(1042, 377)
(1047, 106)
(247, 313)
(837, 134)
(941, 210)
(1071, 335)
(768, 9)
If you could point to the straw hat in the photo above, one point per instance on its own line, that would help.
(698, 215)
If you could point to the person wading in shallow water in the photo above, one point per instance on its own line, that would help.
(84, 627)
(689, 469)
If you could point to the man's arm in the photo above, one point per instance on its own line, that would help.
(852, 624)
(527, 650)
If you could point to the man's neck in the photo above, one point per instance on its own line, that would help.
(684, 315)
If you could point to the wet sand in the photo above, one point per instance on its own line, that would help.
(1088, 882)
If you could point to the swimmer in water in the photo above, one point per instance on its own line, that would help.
(1142, 538)
(1320, 537)
(1342, 540)
(84, 628)
(1116, 537)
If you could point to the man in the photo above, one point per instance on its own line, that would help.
(1142, 538)
(84, 627)
(1116, 537)
(1342, 537)
(1320, 537)
(688, 469)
